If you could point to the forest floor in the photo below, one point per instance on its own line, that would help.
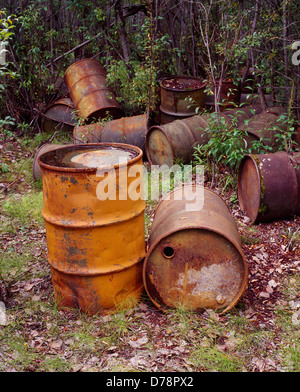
(260, 334)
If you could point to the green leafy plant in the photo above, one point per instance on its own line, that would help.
(227, 144)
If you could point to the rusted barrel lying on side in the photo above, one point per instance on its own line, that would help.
(266, 125)
(36, 170)
(128, 130)
(59, 116)
(174, 94)
(168, 142)
(96, 241)
(86, 83)
(268, 188)
(195, 258)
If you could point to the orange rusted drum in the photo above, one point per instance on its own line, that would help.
(268, 189)
(175, 94)
(86, 83)
(95, 229)
(195, 258)
(59, 116)
(128, 130)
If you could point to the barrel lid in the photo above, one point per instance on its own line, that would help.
(249, 187)
(84, 157)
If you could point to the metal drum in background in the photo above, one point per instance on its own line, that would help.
(168, 142)
(59, 116)
(266, 125)
(128, 130)
(86, 83)
(268, 186)
(229, 96)
(96, 243)
(174, 94)
(195, 258)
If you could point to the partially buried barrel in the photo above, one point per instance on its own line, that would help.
(87, 86)
(95, 237)
(128, 130)
(268, 188)
(195, 258)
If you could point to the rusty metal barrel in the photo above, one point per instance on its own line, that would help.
(87, 86)
(266, 125)
(229, 95)
(268, 189)
(128, 130)
(168, 142)
(59, 116)
(95, 230)
(195, 258)
(175, 92)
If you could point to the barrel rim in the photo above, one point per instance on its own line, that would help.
(92, 169)
(204, 83)
(240, 170)
(150, 130)
(36, 156)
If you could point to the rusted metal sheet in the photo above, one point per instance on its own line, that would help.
(174, 94)
(86, 83)
(59, 116)
(195, 258)
(36, 170)
(128, 130)
(267, 186)
(96, 247)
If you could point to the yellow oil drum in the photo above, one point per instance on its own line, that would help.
(96, 244)
(195, 258)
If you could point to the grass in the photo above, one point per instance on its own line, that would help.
(26, 209)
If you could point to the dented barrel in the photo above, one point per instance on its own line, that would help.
(128, 130)
(93, 99)
(195, 258)
(268, 189)
(95, 235)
